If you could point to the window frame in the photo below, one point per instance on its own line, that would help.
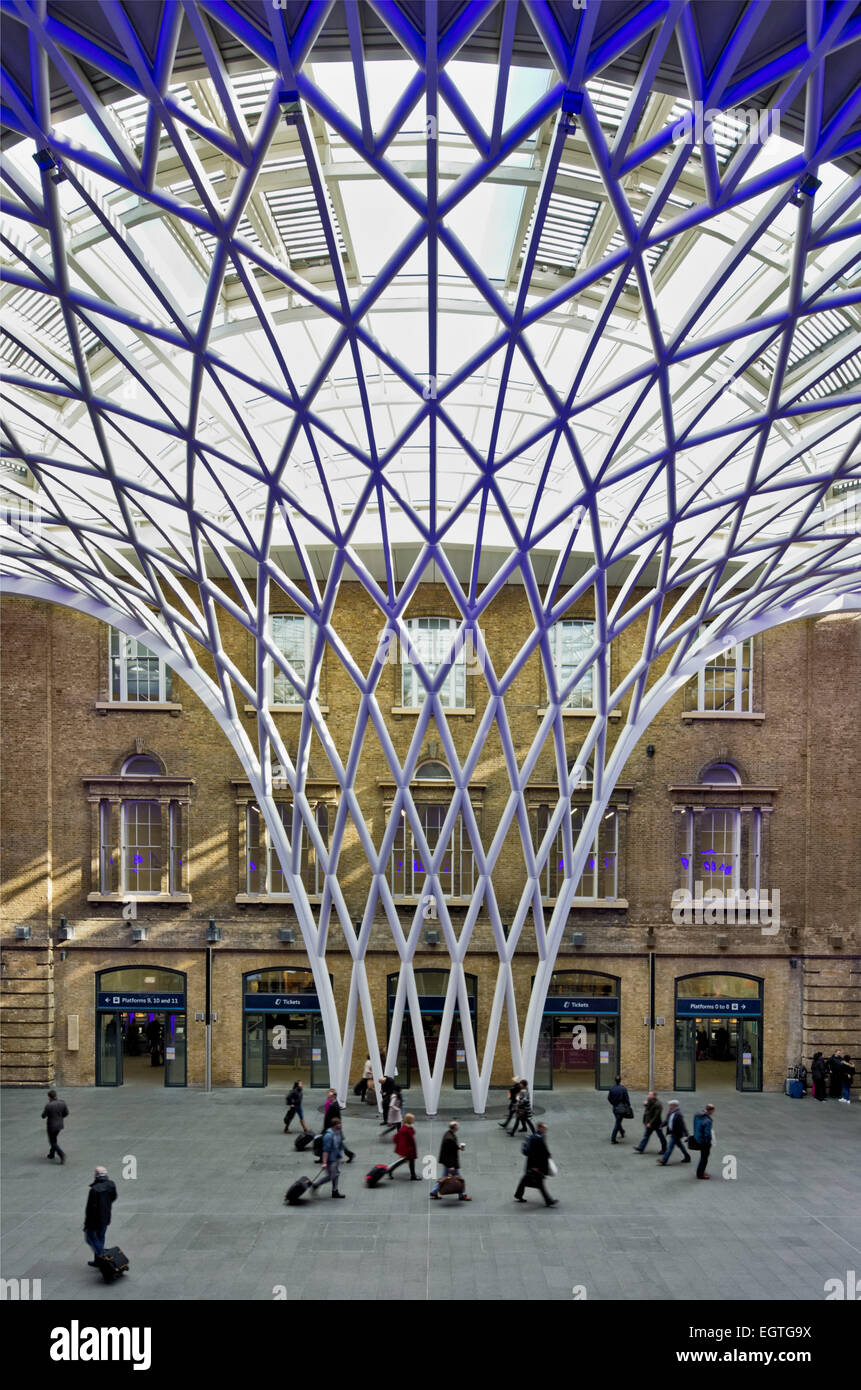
(122, 658)
(273, 671)
(557, 634)
(741, 688)
(409, 675)
(459, 847)
(320, 809)
(548, 873)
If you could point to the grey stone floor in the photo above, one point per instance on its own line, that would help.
(205, 1219)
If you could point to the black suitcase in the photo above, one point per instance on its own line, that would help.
(318, 1145)
(303, 1141)
(112, 1264)
(293, 1194)
(373, 1176)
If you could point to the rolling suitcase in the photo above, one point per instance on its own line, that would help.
(112, 1264)
(303, 1141)
(293, 1194)
(373, 1176)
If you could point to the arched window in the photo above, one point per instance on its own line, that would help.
(721, 774)
(142, 765)
(433, 772)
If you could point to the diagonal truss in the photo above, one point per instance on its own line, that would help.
(173, 460)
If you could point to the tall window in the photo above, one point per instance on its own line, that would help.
(143, 851)
(431, 640)
(265, 873)
(572, 640)
(722, 846)
(600, 877)
(136, 672)
(291, 634)
(407, 870)
(725, 685)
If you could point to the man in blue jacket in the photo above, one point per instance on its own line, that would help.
(677, 1130)
(333, 1152)
(703, 1134)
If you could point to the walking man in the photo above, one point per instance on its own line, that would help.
(55, 1113)
(332, 1114)
(333, 1152)
(537, 1167)
(513, 1093)
(621, 1103)
(523, 1112)
(652, 1111)
(703, 1134)
(450, 1151)
(294, 1107)
(677, 1130)
(97, 1217)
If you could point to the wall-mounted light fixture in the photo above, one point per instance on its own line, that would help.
(578, 938)
(22, 933)
(65, 932)
(286, 935)
(213, 933)
(431, 937)
(139, 933)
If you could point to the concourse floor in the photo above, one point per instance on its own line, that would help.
(204, 1217)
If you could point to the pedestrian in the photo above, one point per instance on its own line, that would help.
(55, 1112)
(847, 1072)
(361, 1087)
(652, 1111)
(294, 1107)
(396, 1111)
(523, 1113)
(678, 1131)
(332, 1113)
(333, 1152)
(621, 1103)
(835, 1073)
(405, 1148)
(819, 1073)
(704, 1136)
(513, 1093)
(387, 1086)
(97, 1217)
(450, 1151)
(537, 1166)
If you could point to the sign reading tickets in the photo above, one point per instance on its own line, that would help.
(282, 1004)
(142, 1002)
(580, 1004)
(751, 1008)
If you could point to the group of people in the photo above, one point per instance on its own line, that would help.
(102, 1191)
(654, 1123)
(832, 1076)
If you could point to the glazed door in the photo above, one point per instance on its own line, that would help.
(174, 1049)
(686, 1042)
(109, 1050)
(749, 1056)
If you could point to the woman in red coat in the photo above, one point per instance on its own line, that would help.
(405, 1148)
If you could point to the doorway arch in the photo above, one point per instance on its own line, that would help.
(719, 1018)
(141, 1026)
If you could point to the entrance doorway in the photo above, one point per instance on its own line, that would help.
(718, 1033)
(432, 986)
(141, 1031)
(282, 1031)
(578, 1045)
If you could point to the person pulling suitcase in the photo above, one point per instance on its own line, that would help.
(97, 1217)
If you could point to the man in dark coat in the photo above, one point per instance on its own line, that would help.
(819, 1073)
(387, 1086)
(652, 1112)
(97, 1217)
(450, 1151)
(621, 1103)
(835, 1075)
(537, 1167)
(55, 1113)
(677, 1130)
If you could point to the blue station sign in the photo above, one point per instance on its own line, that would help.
(172, 1003)
(431, 1003)
(282, 1004)
(686, 1008)
(581, 1004)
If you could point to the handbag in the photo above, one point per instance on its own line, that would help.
(552, 1170)
(623, 1111)
(451, 1185)
(692, 1143)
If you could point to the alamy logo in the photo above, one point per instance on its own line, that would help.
(22, 1290)
(750, 126)
(841, 1289)
(78, 1343)
(735, 907)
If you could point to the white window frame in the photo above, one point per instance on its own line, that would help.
(274, 673)
(549, 872)
(413, 693)
(557, 633)
(127, 879)
(123, 656)
(742, 699)
(462, 873)
(694, 873)
(272, 854)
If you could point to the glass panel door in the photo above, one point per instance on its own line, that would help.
(686, 1041)
(544, 1057)
(608, 1053)
(319, 1058)
(174, 1049)
(255, 1050)
(109, 1052)
(749, 1063)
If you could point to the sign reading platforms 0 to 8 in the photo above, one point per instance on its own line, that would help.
(159, 1002)
(752, 1008)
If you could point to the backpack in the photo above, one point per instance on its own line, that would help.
(698, 1128)
(524, 1148)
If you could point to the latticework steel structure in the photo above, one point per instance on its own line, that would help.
(552, 294)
